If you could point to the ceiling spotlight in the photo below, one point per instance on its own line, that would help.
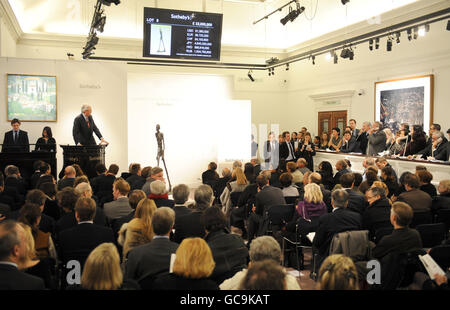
(427, 28)
(389, 44)
(371, 44)
(422, 32)
(416, 30)
(398, 34)
(108, 2)
(313, 59)
(335, 56)
(448, 25)
(293, 14)
(249, 74)
(409, 34)
(377, 43)
(347, 52)
(287, 67)
(344, 2)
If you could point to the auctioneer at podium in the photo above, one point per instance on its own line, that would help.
(84, 127)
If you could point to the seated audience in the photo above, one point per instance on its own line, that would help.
(425, 178)
(222, 182)
(181, 194)
(32, 265)
(51, 206)
(266, 197)
(316, 178)
(77, 242)
(437, 148)
(297, 176)
(46, 224)
(191, 225)
(136, 180)
(133, 198)
(403, 239)
(442, 201)
(210, 176)
(302, 165)
(288, 189)
(84, 190)
(326, 171)
(156, 174)
(371, 176)
(147, 261)
(68, 179)
(349, 144)
(120, 206)
(377, 214)
(102, 270)
(46, 175)
(381, 162)
(256, 166)
(356, 201)
(389, 178)
(78, 171)
(36, 174)
(264, 275)
(310, 209)
(341, 168)
(160, 195)
(249, 172)
(238, 185)
(80, 179)
(192, 268)
(12, 253)
(103, 185)
(341, 219)
(139, 230)
(418, 141)
(262, 249)
(418, 200)
(338, 272)
(229, 250)
(14, 180)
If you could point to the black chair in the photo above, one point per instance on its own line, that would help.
(441, 254)
(298, 246)
(381, 232)
(432, 234)
(292, 199)
(443, 216)
(420, 218)
(278, 216)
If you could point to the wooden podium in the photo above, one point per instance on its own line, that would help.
(25, 160)
(85, 156)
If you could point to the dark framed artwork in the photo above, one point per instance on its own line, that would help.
(407, 100)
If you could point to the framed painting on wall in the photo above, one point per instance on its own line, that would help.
(407, 100)
(31, 98)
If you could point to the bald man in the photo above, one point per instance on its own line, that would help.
(69, 178)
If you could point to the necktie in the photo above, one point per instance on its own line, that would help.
(290, 149)
(15, 136)
(88, 124)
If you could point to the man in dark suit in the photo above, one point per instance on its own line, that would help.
(79, 241)
(339, 220)
(356, 201)
(341, 167)
(191, 224)
(434, 128)
(135, 180)
(362, 138)
(210, 176)
(267, 196)
(180, 196)
(349, 144)
(16, 140)
(352, 125)
(84, 127)
(104, 185)
(37, 173)
(377, 215)
(403, 239)
(437, 149)
(287, 150)
(377, 139)
(12, 251)
(69, 178)
(417, 199)
(153, 259)
(271, 152)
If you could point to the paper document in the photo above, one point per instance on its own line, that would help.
(431, 266)
(310, 236)
(172, 260)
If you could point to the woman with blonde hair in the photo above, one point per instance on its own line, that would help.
(139, 230)
(338, 272)
(102, 269)
(238, 185)
(310, 209)
(32, 265)
(192, 268)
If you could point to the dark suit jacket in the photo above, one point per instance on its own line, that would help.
(18, 183)
(442, 148)
(267, 197)
(284, 150)
(363, 141)
(417, 199)
(79, 241)
(21, 145)
(350, 147)
(82, 133)
(400, 241)
(13, 279)
(331, 223)
(66, 182)
(210, 177)
(34, 179)
(377, 216)
(102, 187)
(356, 201)
(180, 211)
(150, 259)
(377, 142)
(5, 210)
(190, 225)
(162, 202)
(68, 220)
(338, 175)
(135, 181)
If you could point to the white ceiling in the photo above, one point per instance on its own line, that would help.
(73, 17)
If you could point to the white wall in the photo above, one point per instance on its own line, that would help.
(102, 85)
(7, 43)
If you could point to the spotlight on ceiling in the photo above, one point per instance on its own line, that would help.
(448, 25)
(377, 43)
(371, 44)
(293, 14)
(344, 2)
(409, 34)
(328, 56)
(398, 34)
(389, 44)
(287, 67)
(249, 74)
(347, 52)
(335, 57)
(416, 30)
(108, 2)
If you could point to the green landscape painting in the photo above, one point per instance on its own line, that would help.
(31, 97)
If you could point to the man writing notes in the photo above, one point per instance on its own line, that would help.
(84, 127)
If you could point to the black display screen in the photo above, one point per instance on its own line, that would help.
(182, 34)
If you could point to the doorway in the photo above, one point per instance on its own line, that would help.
(332, 119)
